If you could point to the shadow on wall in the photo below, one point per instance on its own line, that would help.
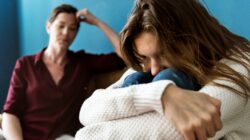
(9, 44)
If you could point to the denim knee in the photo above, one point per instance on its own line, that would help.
(179, 78)
(137, 78)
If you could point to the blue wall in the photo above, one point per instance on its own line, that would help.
(234, 14)
(22, 26)
(34, 14)
(9, 46)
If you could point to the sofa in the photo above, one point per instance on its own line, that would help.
(98, 81)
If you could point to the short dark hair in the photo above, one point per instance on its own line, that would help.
(64, 8)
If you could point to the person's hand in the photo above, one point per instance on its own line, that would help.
(195, 115)
(86, 16)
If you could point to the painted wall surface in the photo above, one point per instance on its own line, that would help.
(234, 14)
(34, 13)
(8, 44)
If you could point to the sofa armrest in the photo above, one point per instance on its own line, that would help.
(106, 79)
(101, 81)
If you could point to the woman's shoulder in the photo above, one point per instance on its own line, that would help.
(26, 58)
(31, 57)
(238, 62)
(29, 60)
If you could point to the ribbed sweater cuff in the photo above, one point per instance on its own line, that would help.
(147, 97)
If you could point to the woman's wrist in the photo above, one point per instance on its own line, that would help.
(169, 90)
(148, 97)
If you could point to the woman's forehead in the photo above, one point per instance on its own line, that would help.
(68, 18)
(146, 43)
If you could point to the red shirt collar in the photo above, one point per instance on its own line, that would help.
(39, 55)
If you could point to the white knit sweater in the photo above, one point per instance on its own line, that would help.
(136, 113)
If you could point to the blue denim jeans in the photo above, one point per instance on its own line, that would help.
(181, 79)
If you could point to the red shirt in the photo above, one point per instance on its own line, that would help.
(47, 110)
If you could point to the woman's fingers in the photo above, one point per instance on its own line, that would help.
(86, 16)
(195, 115)
(210, 118)
(217, 114)
(215, 102)
(188, 133)
(200, 133)
(210, 128)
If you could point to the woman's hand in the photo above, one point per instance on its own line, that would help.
(85, 15)
(195, 115)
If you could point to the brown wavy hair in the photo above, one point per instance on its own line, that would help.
(191, 39)
(63, 8)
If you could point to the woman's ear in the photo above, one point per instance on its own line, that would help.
(48, 25)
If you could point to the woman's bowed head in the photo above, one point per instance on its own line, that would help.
(181, 34)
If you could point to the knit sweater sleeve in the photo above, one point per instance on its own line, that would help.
(234, 108)
(116, 103)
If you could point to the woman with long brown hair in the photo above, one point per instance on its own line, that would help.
(179, 34)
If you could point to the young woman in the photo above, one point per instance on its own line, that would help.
(48, 88)
(179, 34)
